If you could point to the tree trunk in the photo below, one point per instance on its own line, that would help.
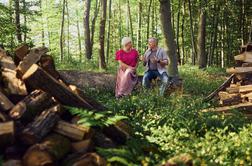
(88, 49)
(68, 31)
(192, 34)
(25, 19)
(47, 26)
(120, 22)
(108, 32)
(17, 21)
(148, 20)
(102, 63)
(130, 20)
(42, 24)
(96, 12)
(139, 29)
(177, 36)
(182, 34)
(62, 32)
(202, 40)
(165, 16)
(79, 35)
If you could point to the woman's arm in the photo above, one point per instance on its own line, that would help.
(124, 66)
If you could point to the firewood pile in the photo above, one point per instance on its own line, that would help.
(236, 91)
(36, 128)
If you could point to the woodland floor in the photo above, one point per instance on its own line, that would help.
(169, 126)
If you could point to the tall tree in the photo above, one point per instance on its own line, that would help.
(130, 20)
(202, 38)
(42, 25)
(68, 30)
(79, 35)
(139, 28)
(62, 41)
(108, 32)
(177, 36)
(148, 19)
(182, 34)
(17, 21)
(165, 17)
(88, 48)
(25, 19)
(96, 12)
(192, 33)
(102, 63)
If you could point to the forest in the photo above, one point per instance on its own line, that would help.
(59, 75)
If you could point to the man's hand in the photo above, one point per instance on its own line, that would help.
(154, 60)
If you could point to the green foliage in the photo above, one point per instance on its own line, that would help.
(89, 118)
(175, 125)
(1, 161)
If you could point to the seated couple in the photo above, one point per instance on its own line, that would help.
(155, 59)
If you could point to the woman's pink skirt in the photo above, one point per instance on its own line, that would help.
(125, 82)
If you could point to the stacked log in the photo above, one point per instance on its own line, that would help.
(36, 127)
(236, 91)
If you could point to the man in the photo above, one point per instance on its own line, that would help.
(155, 59)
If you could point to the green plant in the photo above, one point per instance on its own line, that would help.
(89, 118)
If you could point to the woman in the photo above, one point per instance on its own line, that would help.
(126, 75)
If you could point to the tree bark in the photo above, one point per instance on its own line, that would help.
(177, 36)
(88, 48)
(42, 24)
(62, 32)
(130, 20)
(139, 29)
(96, 12)
(192, 34)
(17, 21)
(108, 32)
(165, 16)
(184, 59)
(202, 40)
(148, 20)
(79, 36)
(30, 106)
(25, 19)
(41, 126)
(102, 63)
(39, 79)
(68, 31)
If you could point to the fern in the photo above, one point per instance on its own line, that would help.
(122, 156)
(100, 119)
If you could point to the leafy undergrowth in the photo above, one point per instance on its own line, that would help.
(168, 126)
